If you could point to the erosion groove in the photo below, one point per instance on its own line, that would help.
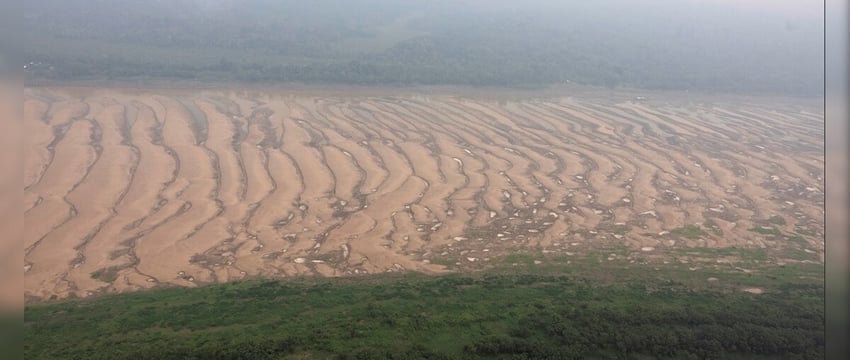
(129, 189)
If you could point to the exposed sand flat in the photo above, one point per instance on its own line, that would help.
(364, 156)
(50, 249)
(277, 206)
(99, 196)
(258, 181)
(73, 157)
(163, 252)
(427, 166)
(156, 168)
(45, 131)
(500, 142)
(222, 133)
(395, 163)
(127, 190)
(318, 179)
(347, 175)
(466, 198)
(40, 135)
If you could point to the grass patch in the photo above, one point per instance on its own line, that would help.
(445, 261)
(758, 254)
(108, 274)
(692, 232)
(619, 229)
(776, 220)
(798, 254)
(712, 226)
(764, 230)
(519, 258)
(746, 255)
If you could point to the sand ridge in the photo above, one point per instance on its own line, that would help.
(127, 190)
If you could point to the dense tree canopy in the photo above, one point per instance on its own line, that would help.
(660, 44)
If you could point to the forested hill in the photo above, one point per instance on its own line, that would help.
(658, 44)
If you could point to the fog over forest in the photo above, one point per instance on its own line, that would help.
(698, 45)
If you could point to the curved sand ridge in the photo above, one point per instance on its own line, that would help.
(125, 191)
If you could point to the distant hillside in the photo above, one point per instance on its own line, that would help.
(661, 44)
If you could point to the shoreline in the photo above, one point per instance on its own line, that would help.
(464, 91)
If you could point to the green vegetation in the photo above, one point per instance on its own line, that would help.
(747, 255)
(11, 336)
(799, 254)
(475, 42)
(765, 230)
(713, 227)
(519, 258)
(581, 310)
(692, 232)
(777, 220)
(106, 274)
(448, 262)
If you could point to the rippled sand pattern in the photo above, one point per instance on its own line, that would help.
(124, 191)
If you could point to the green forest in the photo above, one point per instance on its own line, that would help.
(554, 310)
(659, 44)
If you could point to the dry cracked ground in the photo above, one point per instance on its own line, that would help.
(126, 190)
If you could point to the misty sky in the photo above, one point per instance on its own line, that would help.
(808, 9)
(752, 45)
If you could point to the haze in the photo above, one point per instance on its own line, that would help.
(699, 45)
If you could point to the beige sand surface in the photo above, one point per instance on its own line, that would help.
(125, 190)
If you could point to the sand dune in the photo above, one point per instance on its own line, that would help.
(127, 190)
